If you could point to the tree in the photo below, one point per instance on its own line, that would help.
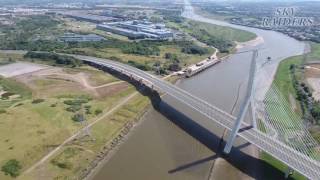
(97, 112)
(78, 118)
(12, 168)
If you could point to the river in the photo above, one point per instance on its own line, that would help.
(168, 144)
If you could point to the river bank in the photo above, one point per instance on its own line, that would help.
(111, 148)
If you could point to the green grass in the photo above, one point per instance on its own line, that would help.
(283, 79)
(225, 32)
(73, 158)
(17, 88)
(314, 55)
(269, 172)
(221, 17)
(36, 128)
(223, 38)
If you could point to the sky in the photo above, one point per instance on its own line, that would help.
(105, 1)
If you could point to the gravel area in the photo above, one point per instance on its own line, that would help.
(19, 68)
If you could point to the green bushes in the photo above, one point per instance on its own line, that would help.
(37, 101)
(144, 67)
(173, 16)
(75, 104)
(141, 48)
(62, 165)
(193, 49)
(97, 112)
(12, 168)
(54, 58)
(78, 117)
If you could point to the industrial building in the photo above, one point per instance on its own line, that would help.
(90, 17)
(137, 29)
(72, 37)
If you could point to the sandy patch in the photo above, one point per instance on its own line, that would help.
(312, 71)
(19, 68)
(258, 40)
(54, 81)
(315, 85)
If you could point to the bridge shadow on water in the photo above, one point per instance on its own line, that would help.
(252, 166)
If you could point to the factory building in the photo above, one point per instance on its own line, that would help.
(137, 29)
(72, 37)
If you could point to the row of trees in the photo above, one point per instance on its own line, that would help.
(194, 49)
(308, 105)
(54, 58)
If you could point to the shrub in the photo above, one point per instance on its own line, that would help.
(62, 165)
(73, 108)
(55, 58)
(78, 118)
(144, 67)
(7, 95)
(12, 168)
(2, 111)
(76, 102)
(97, 112)
(193, 49)
(37, 101)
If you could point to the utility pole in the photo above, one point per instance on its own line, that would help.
(84, 123)
(245, 105)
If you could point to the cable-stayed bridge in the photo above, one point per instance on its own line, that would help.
(296, 158)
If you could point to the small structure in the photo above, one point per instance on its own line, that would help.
(72, 37)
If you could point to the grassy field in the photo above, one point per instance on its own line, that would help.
(15, 88)
(283, 79)
(75, 157)
(269, 173)
(33, 127)
(223, 38)
(315, 52)
(220, 17)
(225, 32)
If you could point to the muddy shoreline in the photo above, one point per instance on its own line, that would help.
(111, 148)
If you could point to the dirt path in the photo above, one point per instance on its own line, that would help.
(108, 84)
(54, 151)
(292, 102)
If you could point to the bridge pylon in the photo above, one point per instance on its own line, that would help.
(244, 107)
